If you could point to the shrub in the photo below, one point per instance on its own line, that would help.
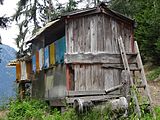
(26, 109)
(38, 110)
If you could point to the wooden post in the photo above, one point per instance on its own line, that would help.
(126, 85)
(68, 78)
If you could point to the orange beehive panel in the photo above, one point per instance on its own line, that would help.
(29, 69)
(37, 61)
(18, 71)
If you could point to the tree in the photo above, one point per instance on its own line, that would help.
(3, 20)
(3, 23)
(33, 14)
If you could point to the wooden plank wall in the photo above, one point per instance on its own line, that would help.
(94, 34)
(55, 84)
(38, 85)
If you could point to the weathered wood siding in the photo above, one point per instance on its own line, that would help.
(96, 34)
(38, 85)
(55, 82)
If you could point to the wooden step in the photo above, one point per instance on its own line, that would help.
(135, 69)
(140, 86)
(132, 67)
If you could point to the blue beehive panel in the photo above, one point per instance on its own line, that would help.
(34, 63)
(60, 46)
(46, 57)
(57, 51)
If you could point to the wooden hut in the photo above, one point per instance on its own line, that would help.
(78, 55)
(72, 53)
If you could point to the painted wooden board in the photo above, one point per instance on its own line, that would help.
(34, 63)
(18, 71)
(23, 70)
(41, 58)
(46, 57)
(60, 46)
(52, 54)
(29, 70)
(37, 61)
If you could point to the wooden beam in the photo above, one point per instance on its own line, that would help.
(57, 102)
(93, 93)
(92, 98)
(113, 88)
(133, 67)
(92, 58)
(85, 93)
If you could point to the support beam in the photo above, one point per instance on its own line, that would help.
(92, 58)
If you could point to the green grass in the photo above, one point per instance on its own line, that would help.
(153, 74)
(39, 110)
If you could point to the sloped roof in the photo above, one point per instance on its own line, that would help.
(12, 63)
(101, 8)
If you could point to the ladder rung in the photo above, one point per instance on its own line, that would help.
(135, 69)
(141, 86)
(133, 54)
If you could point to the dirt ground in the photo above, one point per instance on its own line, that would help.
(3, 114)
(155, 92)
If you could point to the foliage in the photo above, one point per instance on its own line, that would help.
(36, 110)
(27, 109)
(3, 19)
(31, 109)
(147, 32)
(34, 14)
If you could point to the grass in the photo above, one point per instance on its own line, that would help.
(153, 73)
(39, 110)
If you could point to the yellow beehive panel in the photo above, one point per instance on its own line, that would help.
(52, 54)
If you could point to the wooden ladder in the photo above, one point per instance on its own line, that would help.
(140, 69)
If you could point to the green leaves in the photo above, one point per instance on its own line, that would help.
(33, 14)
(27, 109)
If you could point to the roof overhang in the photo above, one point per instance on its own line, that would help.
(12, 63)
(49, 29)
